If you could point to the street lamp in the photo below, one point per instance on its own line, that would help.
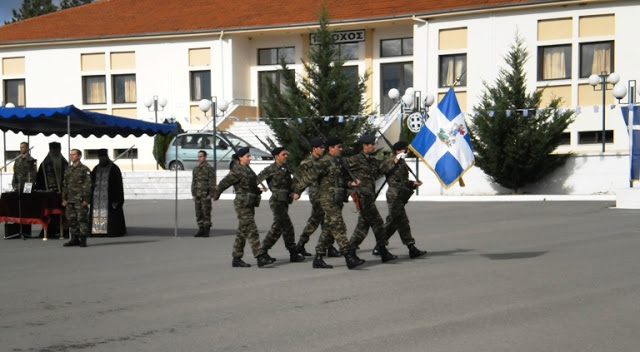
(152, 105)
(214, 105)
(606, 82)
(619, 91)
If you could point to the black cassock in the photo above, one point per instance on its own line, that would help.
(107, 216)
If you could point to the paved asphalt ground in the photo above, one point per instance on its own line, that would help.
(500, 276)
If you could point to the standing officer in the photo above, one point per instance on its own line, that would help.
(398, 194)
(317, 215)
(76, 194)
(243, 180)
(331, 176)
(202, 184)
(278, 177)
(367, 169)
(24, 168)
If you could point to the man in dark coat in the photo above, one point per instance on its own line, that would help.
(50, 178)
(107, 216)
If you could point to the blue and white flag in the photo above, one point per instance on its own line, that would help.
(443, 142)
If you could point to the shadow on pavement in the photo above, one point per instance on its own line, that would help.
(514, 255)
(118, 243)
(170, 232)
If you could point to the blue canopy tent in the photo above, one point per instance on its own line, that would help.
(71, 121)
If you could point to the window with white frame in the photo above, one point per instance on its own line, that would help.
(396, 47)
(200, 85)
(595, 58)
(272, 56)
(264, 77)
(554, 62)
(453, 68)
(15, 92)
(124, 88)
(94, 90)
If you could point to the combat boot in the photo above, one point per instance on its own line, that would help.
(352, 260)
(72, 242)
(318, 263)
(270, 258)
(200, 232)
(206, 232)
(385, 255)
(239, 263)
(83, 241)
(301, 250)
(264, 259)
(333, 252)
(376, 251)
(415, 252)
(295, 256)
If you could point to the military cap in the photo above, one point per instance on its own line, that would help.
(242, 152)
(54, 145)
(366, 139)
(400, 145)
(331, 141)
(277, 151)
(316, 143)
(102, 152)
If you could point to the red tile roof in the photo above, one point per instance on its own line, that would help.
(125, 18)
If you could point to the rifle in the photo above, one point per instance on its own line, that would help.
(304, 139)
(269, 149)
(235, 150)
(401, 160)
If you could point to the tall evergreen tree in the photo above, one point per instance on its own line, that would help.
(65, 4)
(513, 138)
(32, 8)
(325, 90)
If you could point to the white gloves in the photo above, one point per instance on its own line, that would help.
(401, 156)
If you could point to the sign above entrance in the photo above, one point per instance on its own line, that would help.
(342, 37)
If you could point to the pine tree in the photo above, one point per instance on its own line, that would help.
(512, 146)
(326, 91)
(65, 4)
(32, 8)
(161, 144)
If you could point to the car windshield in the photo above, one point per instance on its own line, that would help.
(199, 141)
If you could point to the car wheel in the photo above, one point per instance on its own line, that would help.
(176, 165)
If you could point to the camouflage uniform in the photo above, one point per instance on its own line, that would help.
(243, 180)
(202, 185)
(24, 170)
(398, 194)
(279, 180)
(366, 168)
(317, 214)
(332, 183)
(76, 189)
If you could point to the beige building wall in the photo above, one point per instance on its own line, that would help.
(13, 66)
(563, 92)
(588, 96)
(592, 26)
(200, 57)
(123, 61)
(451, 39)
(93, 62)
(131, 113)
(462, 100)
(557, 28)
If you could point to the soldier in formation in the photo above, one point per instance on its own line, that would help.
(202, 185)
(279, 179)
(76, 197)
(24, 168)
(245, 185)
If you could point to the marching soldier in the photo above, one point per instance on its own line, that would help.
(331, 176)
(278, 177)
(367, 169)
(398, 194)
(24, 168)
(244, 182)
(317, 215)
(202, 185)
(76, 196)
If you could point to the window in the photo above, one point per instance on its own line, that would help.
(272, 56)
(596, 58)
(348, 51)
(396, 47)
(452, 68)
(264, 77)
(94, 90)
(554, 62)
(130, 154)
(14, 92)
(397, 75)
(595, 137)
(90, 154)
(565, 138)
(352, 75)
(200, 85)
(11, 154)
(124, 88)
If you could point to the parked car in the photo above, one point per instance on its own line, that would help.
(190, 143)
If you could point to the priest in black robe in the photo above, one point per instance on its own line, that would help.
(50, 178)
(107, 215)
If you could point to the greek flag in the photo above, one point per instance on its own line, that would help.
(632, 118)
(443, 142)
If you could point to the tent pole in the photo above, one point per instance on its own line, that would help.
(69, 137)
(176, 205)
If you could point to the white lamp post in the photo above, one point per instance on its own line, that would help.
(620, 91)
(603, 82)
(214, 105)
(152, 105)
